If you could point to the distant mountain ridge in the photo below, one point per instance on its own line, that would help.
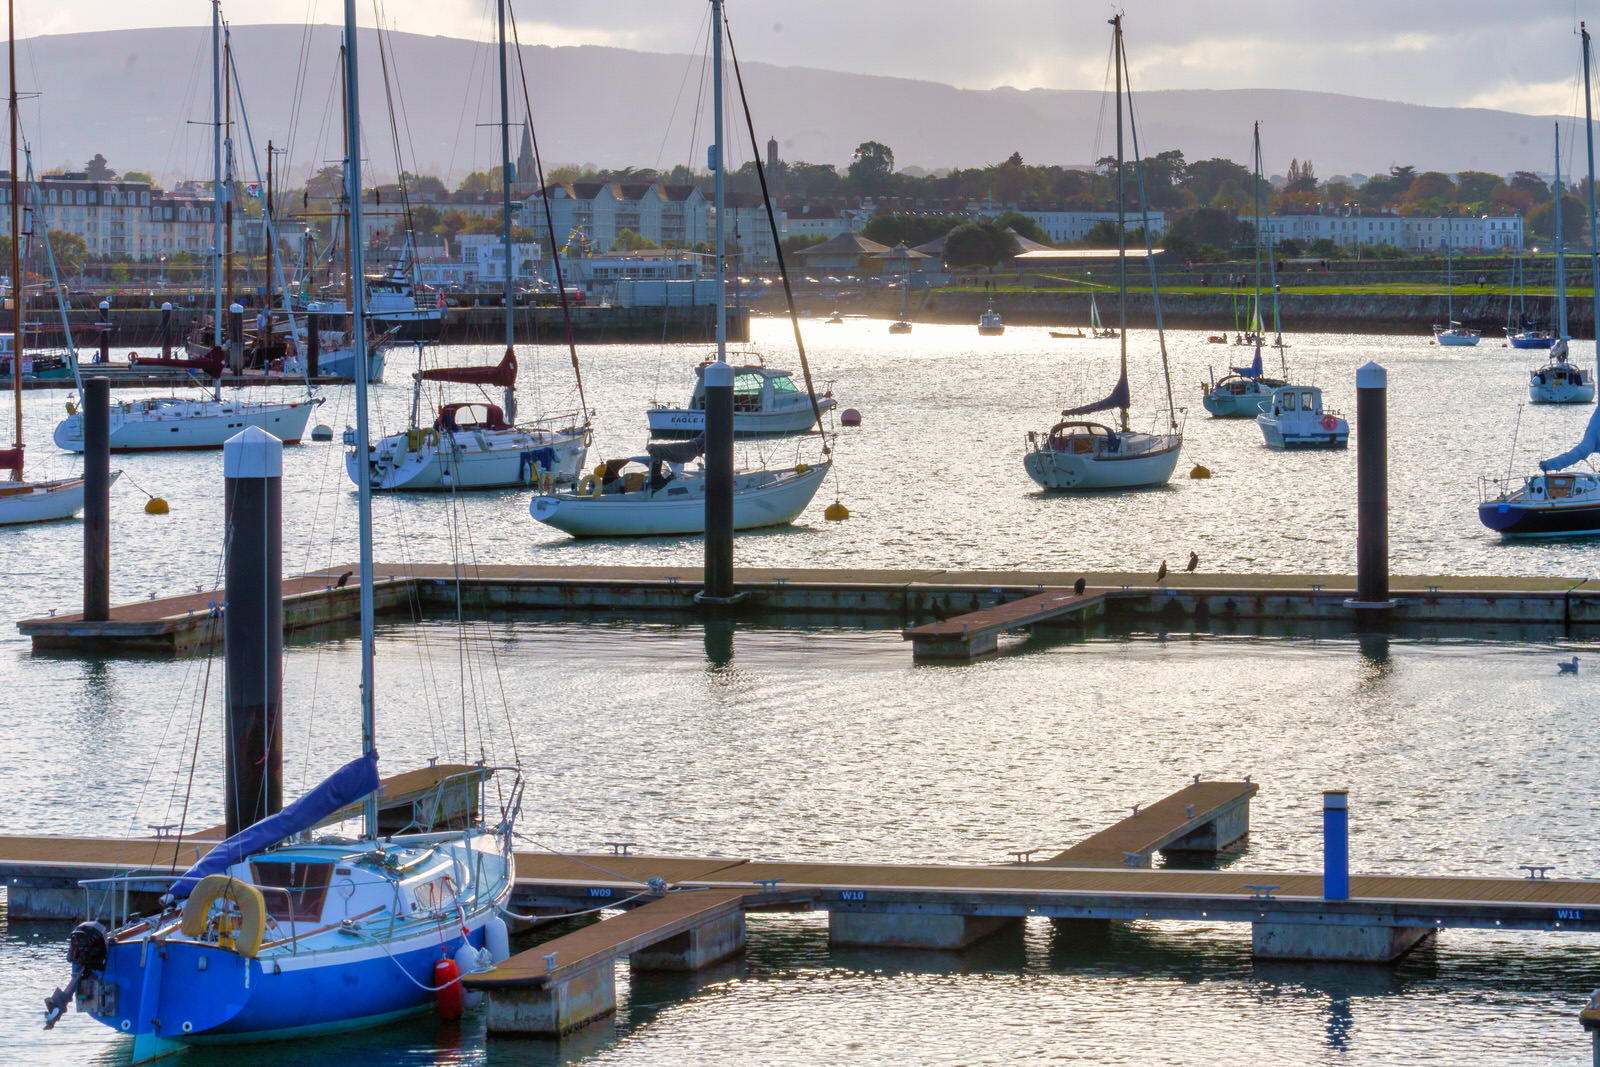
(141, 97)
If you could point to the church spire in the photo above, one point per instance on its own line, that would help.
(526, 175)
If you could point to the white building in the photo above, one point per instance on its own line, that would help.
(1485, 231)
(483, 260)
(1062, 227)
(590, 215)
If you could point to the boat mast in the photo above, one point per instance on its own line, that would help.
(1255, 202)
(227, 169)
(358, 342)
(718, 197)
(505, 202)
(17, 286)
(270, 233)
(216, 170)
(1561, 259)
(1449, 274)
(1594, 239)
(346, 59)
(1122, 212)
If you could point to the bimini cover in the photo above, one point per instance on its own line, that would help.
(1254, 369)
(343, 787)
(678, 451)
(1117, 399)
(503, 374)
(1586, 447)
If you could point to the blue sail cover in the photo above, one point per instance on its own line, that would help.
(1586, 447)
(344, 786)
(1253, 370)
(1117, 399)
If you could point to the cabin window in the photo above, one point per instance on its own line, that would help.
(1307, 403)
(746, 383)
(293, 889)
(784, 385)
(1288, 401)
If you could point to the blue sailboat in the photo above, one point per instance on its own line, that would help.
(277, 933)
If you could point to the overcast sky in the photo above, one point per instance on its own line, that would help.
(1486, 53)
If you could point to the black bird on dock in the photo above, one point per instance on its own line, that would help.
(1079, 586)
(1161, 575)
(343, 578)
(1194, 561)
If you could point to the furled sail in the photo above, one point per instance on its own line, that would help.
(503, 374)
(214, 363)
(1254, 369)
(344, 786)
(1117, 399)
(1588, 446)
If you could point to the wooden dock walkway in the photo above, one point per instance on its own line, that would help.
(975, 633)
(908, 599)
(1200, 817)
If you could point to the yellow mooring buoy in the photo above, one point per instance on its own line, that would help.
(836, 512)
(1200, 471)
(155, 506)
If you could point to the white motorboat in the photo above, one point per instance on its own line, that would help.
(1296, 419)
(664, 499)
(990, 324)
(1086, 456)
(766, 403)
(1238, 396)
(335, 355)
(171, 423)
(473, 445)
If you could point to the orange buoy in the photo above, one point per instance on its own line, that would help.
(446, 979)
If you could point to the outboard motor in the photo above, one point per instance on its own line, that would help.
(86, 951)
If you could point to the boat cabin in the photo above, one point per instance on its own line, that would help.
(473, 415)
(1083, 438)
(1297, 398)
(755, 389)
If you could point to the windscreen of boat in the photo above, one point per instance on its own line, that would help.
(784, 385)
(1307, 403)
(1288, 401)
(293, 889)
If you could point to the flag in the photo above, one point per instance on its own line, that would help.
(253, 189)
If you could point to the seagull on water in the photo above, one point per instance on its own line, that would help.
(1569, 666)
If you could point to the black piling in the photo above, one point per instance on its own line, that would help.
(105, 333)
(166, 330)
(719, 484)
(236, 338)
(1372, 486)
(96, 416)
(252, 467)
(313, 343)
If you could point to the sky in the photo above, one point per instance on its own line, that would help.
(1478, 53)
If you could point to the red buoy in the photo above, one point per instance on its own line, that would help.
(446, 979)
(850, 417)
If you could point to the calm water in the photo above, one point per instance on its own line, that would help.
(1462, 757)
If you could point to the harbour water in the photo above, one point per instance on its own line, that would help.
(1462, 755)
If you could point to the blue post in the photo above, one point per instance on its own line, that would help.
(1335, 845)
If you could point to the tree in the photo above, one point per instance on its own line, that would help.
(1302, 177)
(1205, 226)
(974, 244)
(70, 251)
(871, 167)
(628, 241)
(137, 176)
(913, 230)
(422, 184)
(1208, 179)
(1531, 187)
(1542, 220)
(1023, 226)
(1477, 187)
(96, 169)
(480, 182)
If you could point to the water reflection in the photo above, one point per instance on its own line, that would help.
(719, 642)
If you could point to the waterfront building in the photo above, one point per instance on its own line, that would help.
(1416, 233)
(848, 253)
(1065, 227)
(588, 216)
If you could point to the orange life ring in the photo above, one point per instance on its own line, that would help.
(1330, 423)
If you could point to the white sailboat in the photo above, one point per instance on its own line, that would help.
(472, 445)
(1453, 334)
(22, 501)
(1246, 391)
(1560, 381)
(277, 934)
(1082, 455)
(1096, 327)
(668, 498)
(170, 422)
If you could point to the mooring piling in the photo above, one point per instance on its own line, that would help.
(313, 343)
(719, 484)
(1372, 487)
(1335, 845)
(96, 500)
(236, 338)
(252, 467)
(166, 329)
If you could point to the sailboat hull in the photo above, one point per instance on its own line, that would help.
(170, 424)
(760, 498)
(1147, 460)
(28, 502)
(472, 459)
